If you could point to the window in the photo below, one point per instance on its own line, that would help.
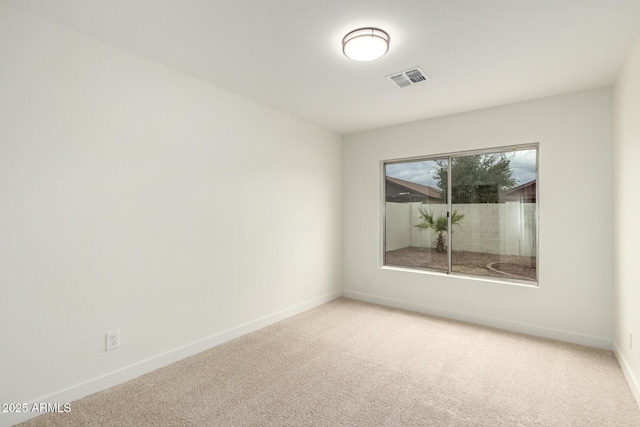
(472, 213)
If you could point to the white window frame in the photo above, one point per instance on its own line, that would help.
(449, 156)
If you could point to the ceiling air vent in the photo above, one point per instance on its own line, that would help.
(408, 77)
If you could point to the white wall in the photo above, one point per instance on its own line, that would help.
(627, 207)
(115, 179)
(574, 301)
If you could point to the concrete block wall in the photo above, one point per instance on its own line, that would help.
(495, 228)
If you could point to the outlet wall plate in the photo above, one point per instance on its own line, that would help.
(112, 339)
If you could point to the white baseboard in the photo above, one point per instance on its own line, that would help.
(135, 370)
(523, 328)
(634, 385)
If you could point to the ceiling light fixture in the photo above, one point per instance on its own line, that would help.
(365, 44)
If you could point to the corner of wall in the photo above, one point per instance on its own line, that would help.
(634, 385)
(626, 131)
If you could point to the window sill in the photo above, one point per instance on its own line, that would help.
(497, 280)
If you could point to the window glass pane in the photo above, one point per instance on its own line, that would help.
(415, 209)
(494, 214)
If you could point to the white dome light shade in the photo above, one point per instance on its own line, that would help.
(365, 44)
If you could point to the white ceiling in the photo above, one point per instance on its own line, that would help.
(287, 53)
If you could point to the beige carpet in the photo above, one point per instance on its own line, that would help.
(349, 363)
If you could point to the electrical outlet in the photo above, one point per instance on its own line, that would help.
(367, 279)
(112, 339)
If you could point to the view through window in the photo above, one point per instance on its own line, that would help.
(485, 225)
